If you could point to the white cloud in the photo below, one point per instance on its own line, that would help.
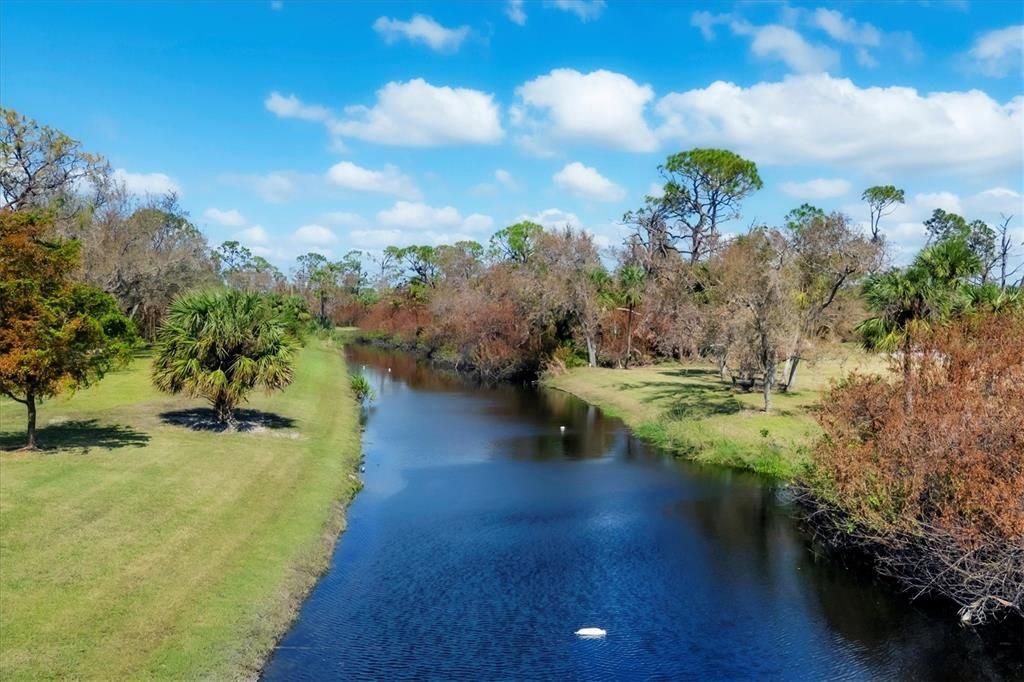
(844, 29)
(315, 235)
(505, 179)
(515, 13)
(273, 188)
(230, 217)
(656, 190)
(419, 216)
(773, 42)
(552, 218)
(819, 118)
(1000, 52)
(146, 183)
(422, 29)
(819, 188)
(992, 203)
(781, 43)
(586, 182)
(292, 107)
(601, 106)
(254, 235)
(586, 10)
(387, 181)
(378, 239)
(276, 4)
(419, 114)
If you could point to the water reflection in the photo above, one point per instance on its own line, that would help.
(485, 536)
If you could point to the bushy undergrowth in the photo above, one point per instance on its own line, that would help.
(934, 487)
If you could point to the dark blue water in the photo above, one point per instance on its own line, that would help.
(485, 537)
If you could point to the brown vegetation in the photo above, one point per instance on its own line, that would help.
(936, 493)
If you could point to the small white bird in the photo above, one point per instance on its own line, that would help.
(389, 370)
(562, 429)
(591, 632)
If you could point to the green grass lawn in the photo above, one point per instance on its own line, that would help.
(140, 548)
(688, 410)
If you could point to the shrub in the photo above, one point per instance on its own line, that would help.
(936, 490)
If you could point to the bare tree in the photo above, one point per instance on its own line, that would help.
(39, 165)
(1004, 252)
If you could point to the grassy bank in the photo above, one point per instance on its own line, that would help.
(689, 411)
(142, 548)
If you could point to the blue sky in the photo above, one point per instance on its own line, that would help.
(298, 126)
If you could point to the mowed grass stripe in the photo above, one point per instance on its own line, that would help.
(183, 557)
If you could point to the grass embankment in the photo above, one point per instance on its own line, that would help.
(689, 411)
(140, 548)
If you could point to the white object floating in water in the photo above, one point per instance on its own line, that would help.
(591, 632)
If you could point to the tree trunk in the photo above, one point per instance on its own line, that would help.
(323, 312)
(722, 367)
(629, 336)
(225, 411)
(591, 353)
(791, 371)
(30, 403)
(768, 382)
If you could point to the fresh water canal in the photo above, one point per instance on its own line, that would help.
(485, 537)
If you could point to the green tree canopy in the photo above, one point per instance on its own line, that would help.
(220, 345)
(882, 201)
(704, 188)
(54, 333)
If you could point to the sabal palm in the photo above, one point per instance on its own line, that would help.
(908, 302)
(631, 291)
(220, 345)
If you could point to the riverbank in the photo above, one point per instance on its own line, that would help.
(687, 410)
(141, 547)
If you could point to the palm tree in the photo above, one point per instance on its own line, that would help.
(909, 302)
(220, 345)
(631, 292)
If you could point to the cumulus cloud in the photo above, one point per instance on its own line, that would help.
(585, 182)
(819, 188)
(254, 235)
(820, 118)
(421, 29)
(772, 42)
(996, 202)
(586, 10)
(292, 107)
(999, 53)
(146, 183)
(601, 106)
(229, 218)
(273, 188)
(386, 181)
(781, 43)
(315, 235)
(505, 179)
(378, 239)
(419, 114)
(844, 29)
(552, 218)
(515, 12)
(419, 216)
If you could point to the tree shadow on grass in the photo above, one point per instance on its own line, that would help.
(83, 433)
(204, 419)
(688, 400)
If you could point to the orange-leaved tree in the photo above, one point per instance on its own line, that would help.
(55, 334)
